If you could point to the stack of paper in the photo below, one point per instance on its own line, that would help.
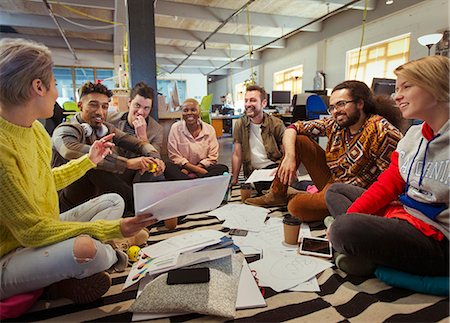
(241, 216)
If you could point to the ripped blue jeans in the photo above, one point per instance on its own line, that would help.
(28, 269)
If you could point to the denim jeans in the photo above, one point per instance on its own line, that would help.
(28, 269)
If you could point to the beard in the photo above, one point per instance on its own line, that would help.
(349, 118)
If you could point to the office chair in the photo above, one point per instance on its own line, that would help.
(51, 123)
(70, 106)
(299, 107)
(315, 106)
(205, 108)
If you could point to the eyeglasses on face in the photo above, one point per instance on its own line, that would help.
(339, 104)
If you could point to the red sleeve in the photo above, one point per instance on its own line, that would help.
(386, 189)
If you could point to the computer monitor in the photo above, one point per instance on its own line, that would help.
(381, 86)
(281, 97)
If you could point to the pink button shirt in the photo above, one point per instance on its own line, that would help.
(184, 148)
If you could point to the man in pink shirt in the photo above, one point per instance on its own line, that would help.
(192, 146)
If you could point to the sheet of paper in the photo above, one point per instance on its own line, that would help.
(241, 216)
(267, 175)
(146, 265)
(304, 230)
(260, 175)
(170, 199)
(310, 285)
(249, 295)
(190, 241)
(284, 270)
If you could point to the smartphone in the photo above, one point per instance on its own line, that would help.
(320, 247)
(238, 232)
(188, 276)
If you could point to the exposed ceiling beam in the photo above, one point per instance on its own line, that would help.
(193, 70)
(218, 15)
(199, 36)
(46, 22)
(98, 4)
(371, 5)
(195, 63)
(58, 42)
(218, 54)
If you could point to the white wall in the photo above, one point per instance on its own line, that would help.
(196, 84)
(326, 50)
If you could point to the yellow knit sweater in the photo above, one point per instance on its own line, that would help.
(29, 211)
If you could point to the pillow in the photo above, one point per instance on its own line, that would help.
(15, 306)
(217, 297)
(434, 285)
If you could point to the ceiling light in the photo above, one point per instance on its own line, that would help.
(389, 1)
(429, 40)
(209, 79)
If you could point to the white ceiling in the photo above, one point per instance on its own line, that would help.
(192, 36)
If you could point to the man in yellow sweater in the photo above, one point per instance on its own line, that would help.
(37, 249)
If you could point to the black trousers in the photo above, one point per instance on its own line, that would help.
(390, 242)
(173, 172)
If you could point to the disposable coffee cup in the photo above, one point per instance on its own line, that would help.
(291, 227)
(171, 224)
(246, 191)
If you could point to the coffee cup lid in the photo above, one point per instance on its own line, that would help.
(289, 219)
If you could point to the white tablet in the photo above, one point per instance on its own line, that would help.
(315, 247)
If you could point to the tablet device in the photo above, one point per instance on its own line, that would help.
(188, 276)
(315, 247)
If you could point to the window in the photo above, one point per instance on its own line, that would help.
(378, 60)
(289, 80)
(240, 97)
(69, 79)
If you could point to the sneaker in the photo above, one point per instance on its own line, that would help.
(328, 220)
(81, 291)
(121, 263)
(268, 200)
(354, 265)
(125, 243)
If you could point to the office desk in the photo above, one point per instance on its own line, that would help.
(221, 124)
(166, 120)
(286, 117)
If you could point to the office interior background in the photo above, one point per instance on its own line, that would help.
(216, 47)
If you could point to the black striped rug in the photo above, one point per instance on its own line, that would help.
(342, 298)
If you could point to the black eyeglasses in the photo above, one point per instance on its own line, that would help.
(339, 104)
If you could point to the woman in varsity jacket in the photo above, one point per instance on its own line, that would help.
(402, 220)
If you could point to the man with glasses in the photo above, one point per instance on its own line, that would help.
(362, 134)
(118, 171)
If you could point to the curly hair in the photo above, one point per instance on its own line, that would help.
(90, 87)
(382, 105)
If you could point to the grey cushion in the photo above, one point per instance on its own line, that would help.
(217, 297)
